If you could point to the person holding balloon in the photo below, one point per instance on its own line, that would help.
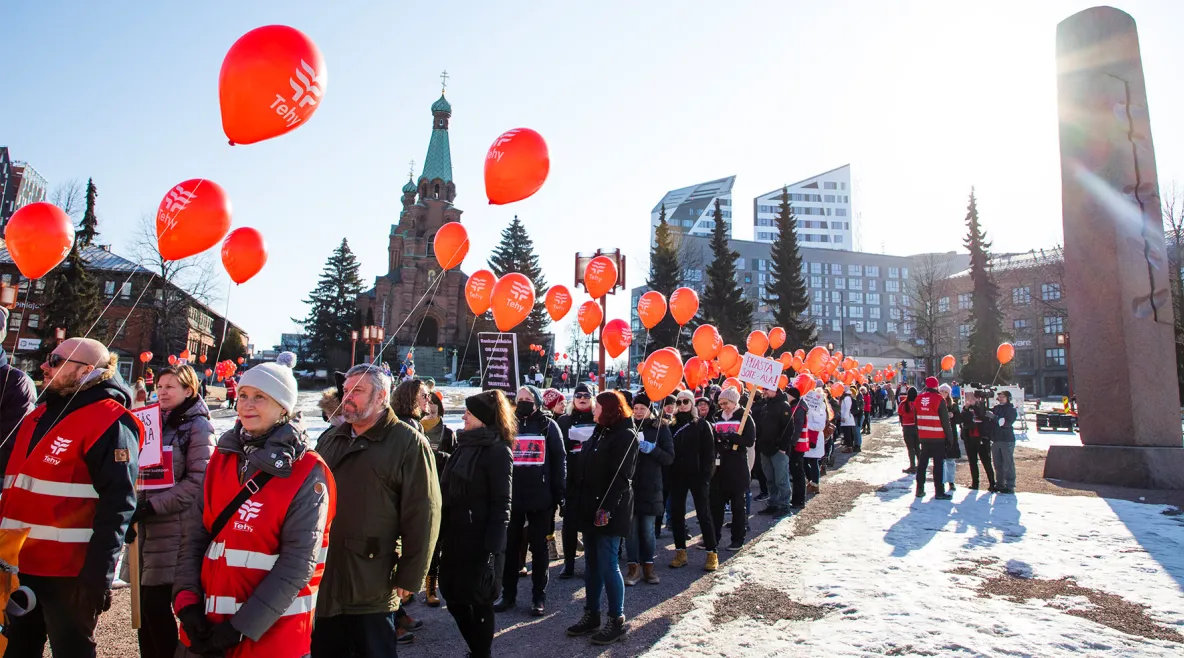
(690, 473)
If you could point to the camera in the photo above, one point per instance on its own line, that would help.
(981, 391)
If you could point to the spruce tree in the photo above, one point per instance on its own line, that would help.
(515, 253)
(90, 221)
(333, 304)
(786, 293)
(665, 277)
(985, 317)
(723, 303)
(72, 300)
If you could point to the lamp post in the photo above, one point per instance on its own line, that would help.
(372, 336)
(1063, 341)
(581, 265)
(353, 348)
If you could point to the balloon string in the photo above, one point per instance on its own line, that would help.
(424, 317)
(225, 325)
(16, 345)
(468, 341)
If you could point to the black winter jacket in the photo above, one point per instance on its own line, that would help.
(775, 426)
(17, 400)
(648, 499)
(609, 462)
(574, 449)
(694, 449)
(732, 474)
(539, 486)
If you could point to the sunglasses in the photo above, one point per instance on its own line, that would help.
(56, 360)
(683, 403)
(583, 396)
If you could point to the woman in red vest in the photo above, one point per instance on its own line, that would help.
(254, 548)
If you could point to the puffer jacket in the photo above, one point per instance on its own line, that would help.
(188, 431)
(775, 426)
(543, 486)
(647, 477)
(694, 449)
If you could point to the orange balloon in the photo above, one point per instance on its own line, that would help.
(209, 372)
(1005, 353)
(185, 355)
(271, 81)
(244, 253)
(192, 217)
(38, 237)
(651, 308)
(713, 370)
(145, 357)
(782, 382)
(240, 360)
(663, 372)
(600, 276)
(786, 360)
(641, 368)
(838, 355)
(201, 359)
(515, 166)
(947, 362)
(684, 304)
(479, 291)
(804, 383)
(513, 300)
(729, 356)
(451, 245)
(732, 382)
(695, 371)
(616, 337)
(776, 337)
(558, 302)
(798, 364)
(707, 342)
(758, 342)
(172, 359)
(800, 353)
(868, 368)
(814, 360)
(836, 390)
(589, 316)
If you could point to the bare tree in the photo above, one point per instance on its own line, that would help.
(174, 288)
(1172, 206)
(70, 196)
(928, 289)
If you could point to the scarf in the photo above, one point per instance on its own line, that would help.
(177, 416)
(429, 423)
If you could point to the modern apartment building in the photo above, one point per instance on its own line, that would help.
(822, 204)
(691, 210)
(20, 185)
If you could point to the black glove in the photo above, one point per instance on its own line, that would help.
(221, 637)
(97, 599)
(562, 510)
(196, 624)
(143, 511)
(131, 534)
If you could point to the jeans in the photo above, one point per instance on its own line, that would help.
(719, 498)
(777, 474)
(639, 545)
(678, 513)
(948, 469)
(475, 623)
(1003, 454)
(602, 572)
(540, 560)
(61, 616)
(978, 450)
(910, 443)
(158, 628)
(810, 465)
(367, 636)
(935, 450)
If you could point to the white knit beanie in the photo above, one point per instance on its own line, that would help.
(276, 380)
(730, 393)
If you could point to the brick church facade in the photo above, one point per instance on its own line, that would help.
(416, 303)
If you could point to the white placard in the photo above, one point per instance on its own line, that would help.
(759, 371)
(150, 453)
(580, 435)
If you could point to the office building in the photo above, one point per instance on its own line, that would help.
(21, 185)
(691, 210)
(822, 204)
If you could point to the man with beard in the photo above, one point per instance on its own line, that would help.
(388, 496)
(71, 481)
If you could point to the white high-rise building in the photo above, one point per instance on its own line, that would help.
(691, 210)
(823, 207)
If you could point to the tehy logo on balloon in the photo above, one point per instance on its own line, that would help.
(175, 201)
(494, 152)
(520, 294)
(562, 298)
(759, 371)
(306, 92)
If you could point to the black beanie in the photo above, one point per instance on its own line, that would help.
(642, 399)
(582, 388)
(483, 406)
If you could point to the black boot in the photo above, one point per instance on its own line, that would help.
(503, 604)
(569, 569)
(589, 623)
(613, 631)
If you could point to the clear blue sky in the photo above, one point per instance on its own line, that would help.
(924, 99)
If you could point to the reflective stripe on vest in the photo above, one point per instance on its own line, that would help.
(928, 421)
(250, 559)
(227, 605)
(50, 533)
(50, 488)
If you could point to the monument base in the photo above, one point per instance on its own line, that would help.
(1124, 466)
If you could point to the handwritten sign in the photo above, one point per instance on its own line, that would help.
(759, 371)
(530, 450)
(499, 361)
(579, 434)
(159, 477)
(150, 453)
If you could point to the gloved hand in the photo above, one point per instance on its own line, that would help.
(196, 624)
(143, 511)
(645, 447)
(130, 535)
(562, 510)
(221, 637)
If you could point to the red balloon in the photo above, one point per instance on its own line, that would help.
(684, 304)
(707, 342)
(558, 302)
(663, 372)
(782, 382)
(589, 316)
(729, 357)
(202, 358)
(479, 291)
(185, 355)
(732, 382)
(451, 245)
(244, 253)
(776, 337)
(695, 371)
(172, 360)
(804, 384)
(815, 359)
(209, 372)
(758, 343)
(145, 357)
(600, 276)
(241, 360)
(38, 237)
(192, 217)
(271, 81)
(515, 166)
(651, 308)
(513, 300)
(616, 337)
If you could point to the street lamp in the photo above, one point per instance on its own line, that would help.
(372, 336)
(1063, 341)
(830, 347)
(353, 348)
(8, 296)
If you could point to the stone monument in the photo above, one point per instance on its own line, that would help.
(1120, 308)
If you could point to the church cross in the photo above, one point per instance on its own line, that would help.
(411, 169)
(444, 80)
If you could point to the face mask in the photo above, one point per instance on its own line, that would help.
(524, 409)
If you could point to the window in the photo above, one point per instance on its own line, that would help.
(7, 279)
(24, 285)
(873, 298)
(871, 270)
(34, 320)
(762, 264)
(839, 312)
(160, 295)
(109, 288)
(894, 313)
(815, 268)
(873, 312)
(855, 284)
(891, 327)
(943, 304)
(763, 278)
(815, 282)
(893, 272)
(125, 290)
(836, 325)
(836, 268)
(14, 321)
(1021, 326)
(818, 296)
(855, 297)
(1050, 292)
(1054, 356)
(830, 186)
(840, 212)
(40, 285)
(1023, 358)
(873, 327)
(855, 312)
(838, 239)
(854, 270)
(964, 301)
(1054, 325)
(964, 331)
(906, 328)
(871, 285)
(858, 324)
(892, 286)
(904, 272)
(904, 300)
(1021, 296)
(829, 198)
(816, 309)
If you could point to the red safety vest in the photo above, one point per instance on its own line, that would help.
(49, 491)
(803, 442)
(242, 555)
(231, 386)
(907, 416)
(927, 411)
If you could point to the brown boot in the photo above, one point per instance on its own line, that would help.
(429, 586)
(712, 561)
(634, 574)
(651, 576)
(812, 488)
(680, 559)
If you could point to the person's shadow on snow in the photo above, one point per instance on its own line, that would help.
(990, 518)
(914, 530)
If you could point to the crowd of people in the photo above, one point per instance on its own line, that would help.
(253, 544)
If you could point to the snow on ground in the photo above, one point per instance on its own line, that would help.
(882, 572)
